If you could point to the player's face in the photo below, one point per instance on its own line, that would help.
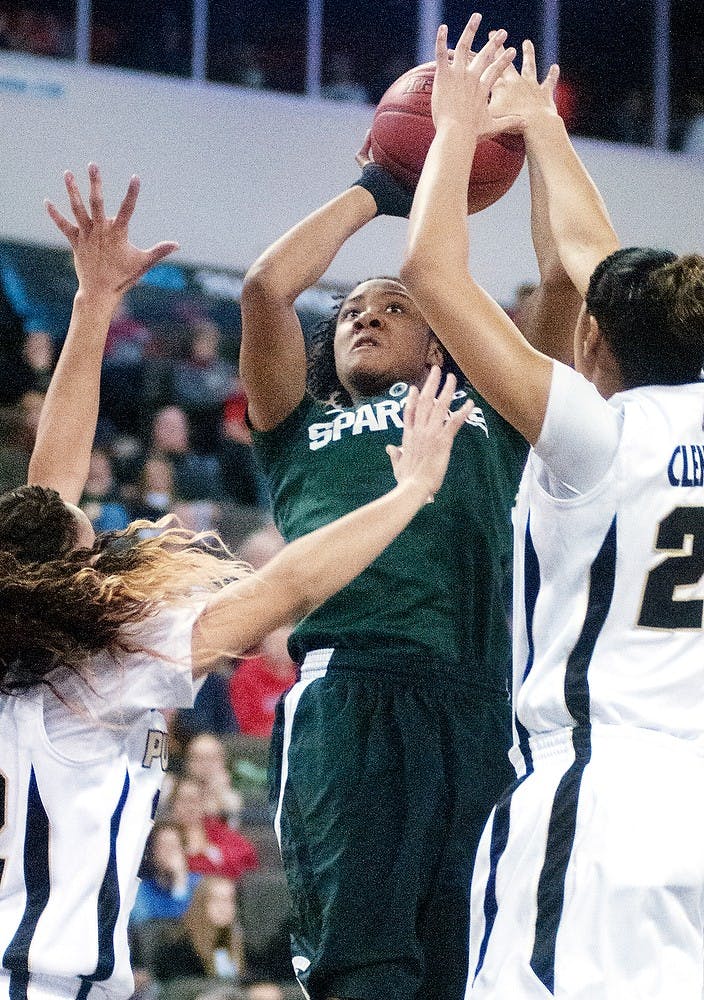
(381, 338)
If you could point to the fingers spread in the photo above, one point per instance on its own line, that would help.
(97, 207)
(126, 209)
(458, 417)
(488, 53)
(447, 392)
(464, 45)
(409, 411)
(497, 68)
(551, 79)
(70, 231)
(441, 53)
(76, 202)
(159, 251)
(430, 388)
(528, 68)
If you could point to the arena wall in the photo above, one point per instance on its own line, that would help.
(226, 170)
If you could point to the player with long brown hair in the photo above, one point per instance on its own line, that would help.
(94, 633)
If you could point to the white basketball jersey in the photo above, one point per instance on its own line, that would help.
(608, 591)
(79, 790)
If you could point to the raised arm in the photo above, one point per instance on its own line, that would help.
(272, 355)
(106, 266)
(311, 569)
(548, 316)
(579, 221)
(507, 371)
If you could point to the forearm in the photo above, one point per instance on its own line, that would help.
(548, 317)
(302, 256)
(273, 361)
(437, 237)
(302, 576)
(549, 263)
(579, 221)
(480, 336)
(61, 453)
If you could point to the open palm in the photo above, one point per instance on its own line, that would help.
(104, 258)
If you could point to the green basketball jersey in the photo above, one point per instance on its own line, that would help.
(440, 589)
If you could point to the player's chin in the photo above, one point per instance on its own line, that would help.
(370, 379)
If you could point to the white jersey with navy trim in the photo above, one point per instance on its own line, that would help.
(589, 880)
(80, 781)
(608, 592)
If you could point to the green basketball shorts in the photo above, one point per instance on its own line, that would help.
(384, 770)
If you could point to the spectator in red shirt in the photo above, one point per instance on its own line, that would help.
(258, 683)
(212, 847)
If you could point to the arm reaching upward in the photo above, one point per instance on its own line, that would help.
(273, 361)
(579, 221)
(548, 316)
(273, 353)
(311, 569)
(107, 264)
(508, 372)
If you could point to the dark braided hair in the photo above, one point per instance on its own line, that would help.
(322, 379)
(649, 305)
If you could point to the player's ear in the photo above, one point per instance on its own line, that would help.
(593, 337)
(435, 355)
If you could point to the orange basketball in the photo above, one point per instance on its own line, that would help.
(403, 129)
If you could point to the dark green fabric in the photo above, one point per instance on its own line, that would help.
(442, 585)
(391, 777)
(398, 755)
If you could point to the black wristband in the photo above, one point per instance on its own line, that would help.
(391, 197)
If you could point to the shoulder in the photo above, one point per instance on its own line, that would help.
(290, 427)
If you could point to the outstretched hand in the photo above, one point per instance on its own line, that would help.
(521, 94)
(106, 262)
(464, 80)
(429, 428)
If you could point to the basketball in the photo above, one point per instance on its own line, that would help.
(403, 129)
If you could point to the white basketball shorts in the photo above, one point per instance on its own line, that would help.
(589, 881)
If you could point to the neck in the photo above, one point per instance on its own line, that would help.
(369, 387)
(607, 378)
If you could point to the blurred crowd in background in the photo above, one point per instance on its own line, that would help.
(606, 51)
(211, 918)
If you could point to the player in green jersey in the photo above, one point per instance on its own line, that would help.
(391, 749)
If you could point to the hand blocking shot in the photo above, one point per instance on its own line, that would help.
(98, 634)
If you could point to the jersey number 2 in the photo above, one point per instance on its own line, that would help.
(682, 534)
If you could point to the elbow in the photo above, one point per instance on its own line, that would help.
(418, 273)
(264, 283)
(553, 273)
